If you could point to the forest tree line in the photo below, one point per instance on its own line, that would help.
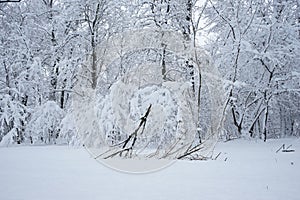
(47, 46)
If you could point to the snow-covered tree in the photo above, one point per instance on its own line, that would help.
(256, 46)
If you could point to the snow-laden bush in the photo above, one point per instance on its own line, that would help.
(68, 130)
(80, 126)
(44, 125)
(12, 119)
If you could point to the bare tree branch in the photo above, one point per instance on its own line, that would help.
(9, 1)
(132, 136)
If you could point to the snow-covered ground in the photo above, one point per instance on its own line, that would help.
(244, 170)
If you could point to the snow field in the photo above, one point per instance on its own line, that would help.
(244, 170)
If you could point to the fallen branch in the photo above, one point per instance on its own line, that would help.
(118, 152)
(285, 150)
(288, 150)
(217, 156)
(194, 149)
(132, 136)
(281, 147)
(10, 1)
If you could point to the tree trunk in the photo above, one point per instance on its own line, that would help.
(94, 66)
(266, 123)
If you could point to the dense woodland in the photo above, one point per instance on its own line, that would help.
(57, 62)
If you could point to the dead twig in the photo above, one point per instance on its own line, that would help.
(285, 150)
(217, 156)
(133, 136)
(281, 147)
(194, 149)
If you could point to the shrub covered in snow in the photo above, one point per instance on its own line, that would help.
(44, 125)
(12, 119)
